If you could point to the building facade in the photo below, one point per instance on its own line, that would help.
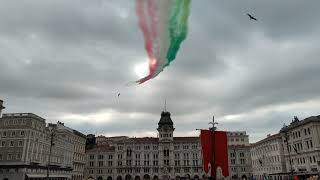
(164, 157)
(301, 141)
(267, 158)
(239, 155)
(25, 143)
(79, 156)
(25, 146)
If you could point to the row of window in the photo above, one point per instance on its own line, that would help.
(233, 154)
(187, 170)
(10, 156)
(242, 161)
(194, 146)
(15, 122)
(165, 135)
(145, 163)
(101, 171)
(297, 134)
(264, 159)
(242, 169)
(12, 143)
(304, 160)
(264, 149)
(147, 147)
(39, 126)
(12, 133)
(272, 168)
(235, 133)
(236, 139)
(138, 170)
(186, 163)
(176, 147)
(145, 170)
(299, 146)
(155, 156)
(186, 155)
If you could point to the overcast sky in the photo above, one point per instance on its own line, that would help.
(65, 60)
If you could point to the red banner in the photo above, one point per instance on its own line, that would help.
(221, 152)
(214, 151)
(206, 144)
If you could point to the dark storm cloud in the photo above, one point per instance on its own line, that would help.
(61, 58)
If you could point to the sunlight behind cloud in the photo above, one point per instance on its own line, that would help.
(141, 69)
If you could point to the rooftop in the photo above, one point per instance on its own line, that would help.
(296, 122)
(165, 119)
(20, 115)
(268, 138)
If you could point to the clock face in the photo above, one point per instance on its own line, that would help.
(166, 128)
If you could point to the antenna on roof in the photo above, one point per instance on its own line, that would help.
(165, 105)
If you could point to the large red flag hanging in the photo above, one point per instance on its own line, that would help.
(214, 151)
(221, 152)
(206, 144)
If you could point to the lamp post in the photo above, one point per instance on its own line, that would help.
(213, 144)
(52, 134)
(287, 143)
(235, 161)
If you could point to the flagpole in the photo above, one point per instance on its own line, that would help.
(213, 147)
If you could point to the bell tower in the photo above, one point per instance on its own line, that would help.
(165, 127)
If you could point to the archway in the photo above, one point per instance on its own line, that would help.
(5, 179)
(90, 178)
(177, 177)
(204, 176)
(99, 178)
(119, 178)
(109, 178)
(146, 177)
(188, 176)
(137, 178)
(155, 178)
(128, 177)
(244, 176)
(196, 177)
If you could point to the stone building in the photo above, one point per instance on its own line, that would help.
(239, 155)
(25, 143)
(71, 144)
(165, 157)
(24, 148)
(162, 157)
(268, 159)
(79, 156)
(301, 142)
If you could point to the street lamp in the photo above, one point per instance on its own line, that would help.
(52, 134)
(213, 144)
(287, 143)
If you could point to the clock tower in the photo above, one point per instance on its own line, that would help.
(165, 127)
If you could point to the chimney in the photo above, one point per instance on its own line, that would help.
(1, 107)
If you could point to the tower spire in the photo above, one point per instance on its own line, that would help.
(165, 105)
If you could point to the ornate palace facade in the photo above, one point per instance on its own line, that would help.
(164, 157)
